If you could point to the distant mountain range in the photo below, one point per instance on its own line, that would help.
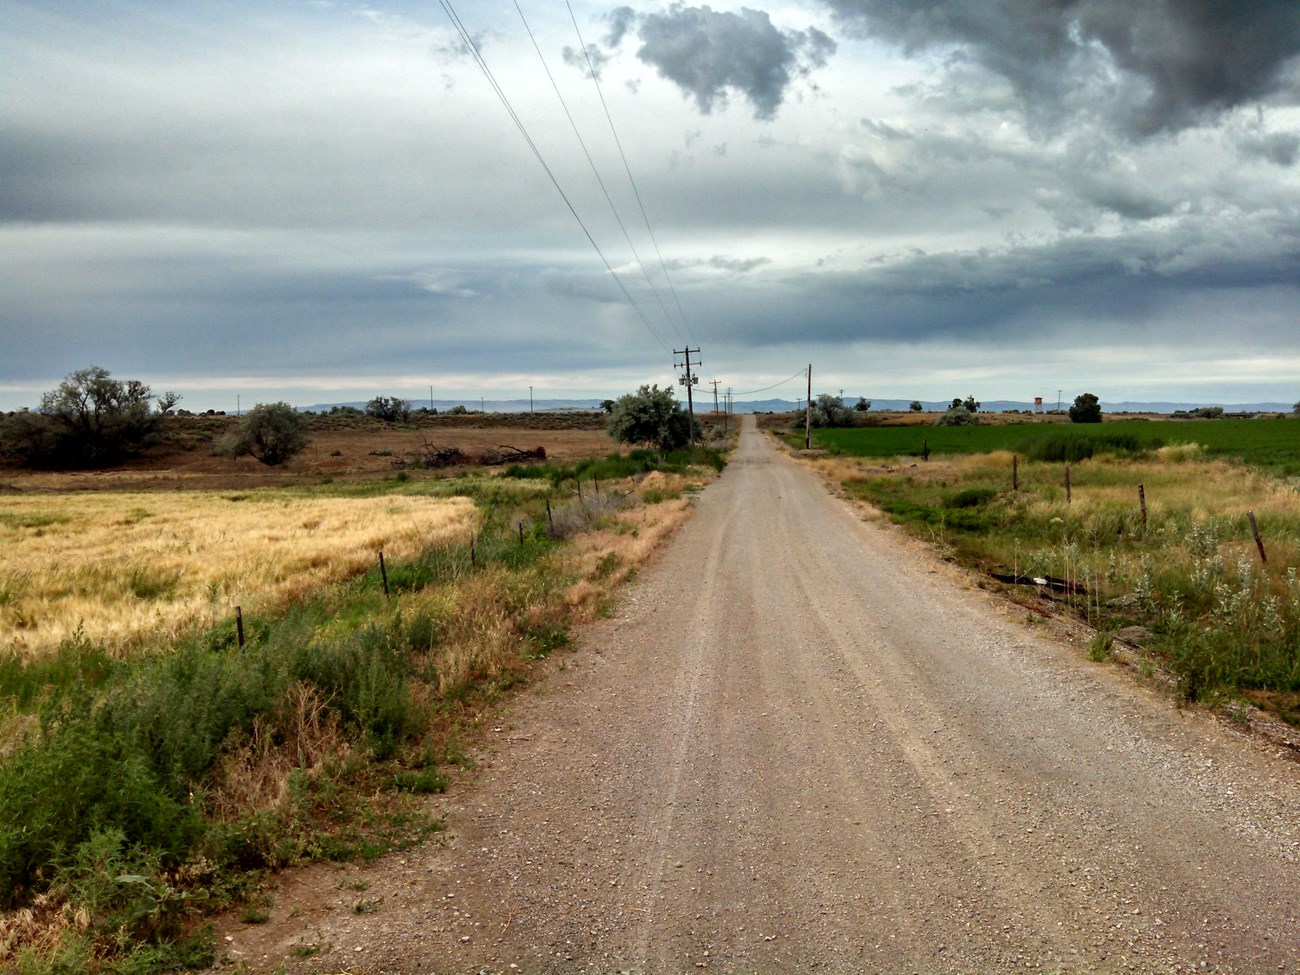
(784, 406)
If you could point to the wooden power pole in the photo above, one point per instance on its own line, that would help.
(807, 420)
(689, 381)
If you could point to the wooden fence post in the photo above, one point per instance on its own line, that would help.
(1142, 500)
(550, 519)
(239, 624)
(1015, 473)
(1067, 483)
(473, 555)
(383, 572)
(1259, 542)
(925, 448)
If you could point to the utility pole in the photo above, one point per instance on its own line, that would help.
(714, 383)
(807, 420)
(530, 399)
(689, 380)
(726, 419)
(1058, 400)
(430, 399)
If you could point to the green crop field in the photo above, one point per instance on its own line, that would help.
(1269, 443)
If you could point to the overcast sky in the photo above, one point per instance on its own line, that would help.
(327, 201)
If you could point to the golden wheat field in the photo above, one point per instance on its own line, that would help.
(123, 567)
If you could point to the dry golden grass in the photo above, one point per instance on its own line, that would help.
(123, 567)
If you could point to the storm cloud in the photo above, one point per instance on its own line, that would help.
(709, 54)
(1153, 67)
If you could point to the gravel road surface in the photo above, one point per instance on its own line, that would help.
(804, 744)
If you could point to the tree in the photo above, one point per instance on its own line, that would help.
(607, 406)
(650, 416)
(390, 409)
(1086, 409)
(89, 420)
(1296, 409)
(862, 405)
(916, 406)
(971, 404)
(270, 432)
(830, 411)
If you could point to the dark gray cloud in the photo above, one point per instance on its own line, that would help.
(1279, 148)
(709, 54)
(1154, 66)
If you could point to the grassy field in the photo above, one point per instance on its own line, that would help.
(319, 736)
(1270, 443)
(125, 569)
(1186, 582)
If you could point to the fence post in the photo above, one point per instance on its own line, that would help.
(1142, 500)
(925, 448)
(1067, 483)
(473, 556)
(239, 624)
(1259, 542)
(383, 572)
(550, 520)
(1015, 473)
(521, 534)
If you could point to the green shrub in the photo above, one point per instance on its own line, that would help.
(650, 416)
(270, 432)
(958, 416)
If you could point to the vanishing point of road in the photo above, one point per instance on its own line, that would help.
(803, 744)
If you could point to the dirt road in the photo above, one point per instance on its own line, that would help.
(802, 746)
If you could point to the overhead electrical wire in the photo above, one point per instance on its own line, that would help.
(750, 392)
(472, 47)
(596, 172)
(591, 68)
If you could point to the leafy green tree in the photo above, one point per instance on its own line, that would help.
(650, 416)
(1086, 409)
(390, 409)
(89, 420)
(270, 432)
(971, 404)
(916, 406)
(830, 411)
(862, 405)
(1296, 409)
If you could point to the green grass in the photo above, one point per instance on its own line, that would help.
(1267, 443)
(1222, 623)
(616, 467)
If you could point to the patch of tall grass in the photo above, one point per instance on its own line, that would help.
(124, 568)
(1222, 622)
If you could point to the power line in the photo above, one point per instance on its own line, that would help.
(628, 169)
(470, 45)
(594, 171)
(750, 392)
